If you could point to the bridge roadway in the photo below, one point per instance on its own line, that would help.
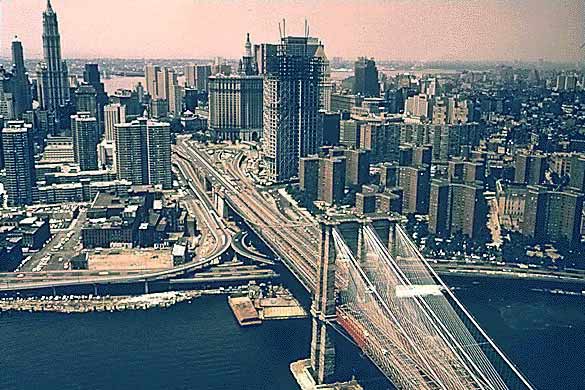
(22, 281)
(290, 240)
(241, 248)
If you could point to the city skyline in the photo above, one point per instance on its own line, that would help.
(429, 30)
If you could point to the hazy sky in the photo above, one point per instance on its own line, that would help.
(390, 29)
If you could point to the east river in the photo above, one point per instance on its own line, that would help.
(200, 346)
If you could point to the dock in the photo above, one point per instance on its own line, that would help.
(302, 374)
(244, 311)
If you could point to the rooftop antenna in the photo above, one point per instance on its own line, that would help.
(284, 27)
(306, 29)
(279, 30)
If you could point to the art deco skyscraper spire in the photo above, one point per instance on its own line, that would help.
(55, 91)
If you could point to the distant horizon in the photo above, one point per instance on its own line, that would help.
(488, 31)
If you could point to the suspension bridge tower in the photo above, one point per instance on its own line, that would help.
(323, 308)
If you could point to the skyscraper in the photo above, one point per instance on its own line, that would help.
(530, 167)
(151, 75)
(294, 73)
(86, 100)
(55, 88)
(235, 102)
(366, 78)
(84, 132)
(415, 181)
(456, 207)
(22, 94)
(196, 76)
(553, 216)
(248, 66)
(17, 145)
(91, 76)
(113, 114)
(143, 152)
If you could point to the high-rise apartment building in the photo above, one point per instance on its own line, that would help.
(382, 138)
(113, 114)
(456, 208)
(577, 172)
(19, 162)
(553, 216)
(366, 78)
(530, 167)
(143, 152)
(357, 166)
(84, 132)
(294, 73)
(415, 182)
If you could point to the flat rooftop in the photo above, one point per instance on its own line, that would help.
(130, 259)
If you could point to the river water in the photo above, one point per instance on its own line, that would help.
(200, 346)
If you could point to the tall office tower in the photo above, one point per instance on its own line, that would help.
(113, 114)
(139, 88)
(91, 76)
(17, 145)
(366, 78)
(86, 100)
(294, 74)
(84, 133)
(357, 166)
(415, 181)
(330, 125)
(143, 152)
(440, 208)
(248, 66)
(202, 73)
(22, 88)
(6, 94)
(151, 76)
(176, 97)
(55, 91)
(235, 107)
(553, 216)
(190, 98)
(159, 108)
(166, 79)
(577, 172)
(530, 167)
(190, 72)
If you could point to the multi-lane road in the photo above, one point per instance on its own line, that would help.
(295, 242)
